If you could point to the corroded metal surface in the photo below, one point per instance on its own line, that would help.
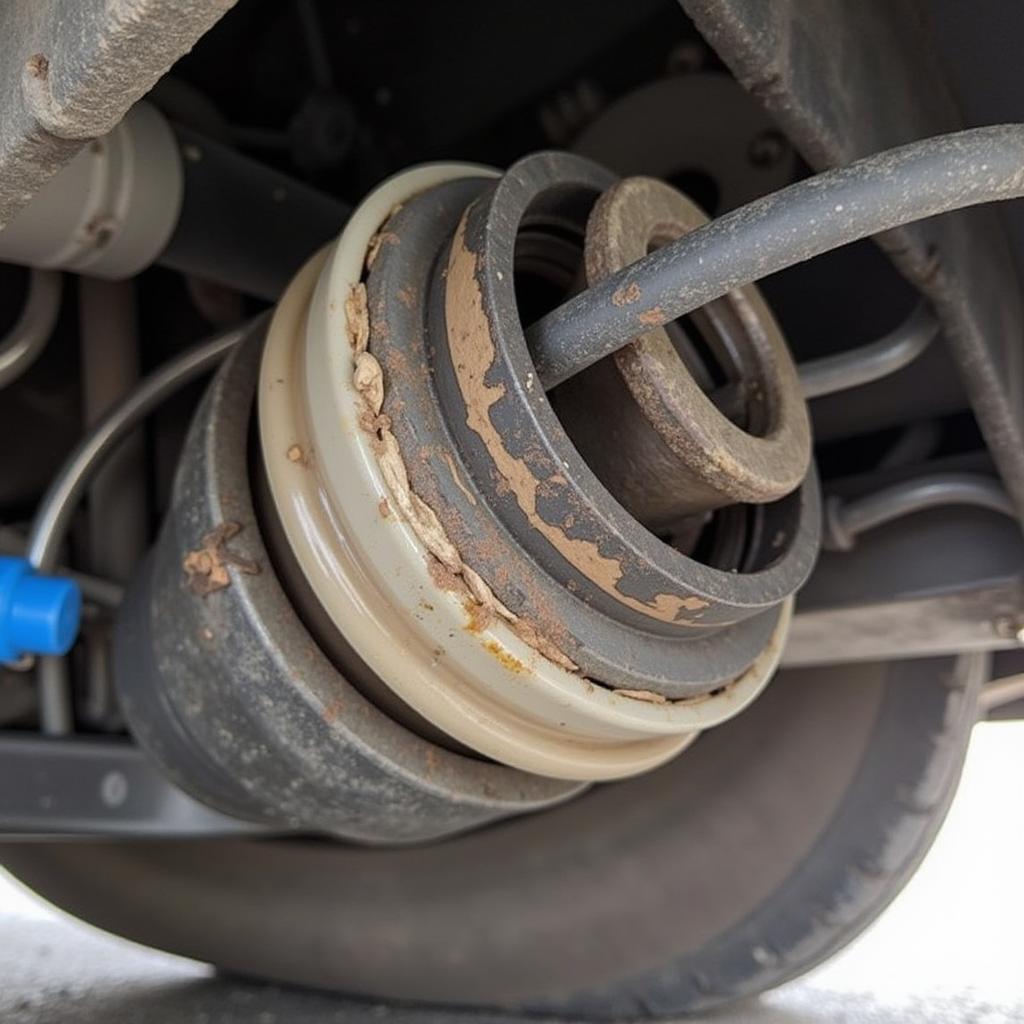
(644, 422)
(487, 453)
(226, 689)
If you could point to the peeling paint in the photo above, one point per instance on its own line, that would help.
(473, 353)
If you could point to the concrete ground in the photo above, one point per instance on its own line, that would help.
(950, 949)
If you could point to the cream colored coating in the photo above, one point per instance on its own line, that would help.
(440, 640)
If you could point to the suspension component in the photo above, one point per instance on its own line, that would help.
(150, 192)
(662, 445)
(224, 687)
(426, 571)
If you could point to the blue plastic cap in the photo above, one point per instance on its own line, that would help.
(38, 614)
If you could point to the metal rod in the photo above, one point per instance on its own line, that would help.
(872, 361)
(1001, 692)
(22, 344)
(846, 520)
(116, 503)
(811, 217)
(231, 204)
(54, 513)
(56, 711)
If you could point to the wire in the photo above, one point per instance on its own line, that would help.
(870, 362)
(811, 217)
(50, 524)
(846, 520)
(22, 344)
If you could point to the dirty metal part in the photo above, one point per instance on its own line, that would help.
(659, 443)
(152, 192)
(535, 482)
(398, 289)
(97, 787)
(382, 565)
(698, 129)
(870, 362)
(846, 519)
(228, 692)
(386, 567)
(231, 205)
(111, 210)
(22, 344)
(70, 72)
(891, 597)
(813, 216)
(835, 106)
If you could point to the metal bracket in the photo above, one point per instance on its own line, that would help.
(70, 71)
(96, 787)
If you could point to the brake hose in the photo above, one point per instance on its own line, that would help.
(806, 219)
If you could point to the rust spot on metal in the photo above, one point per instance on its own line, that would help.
(38, 66)
(652, 317)
(443, 577)
(206, 568)
(510, 662)
(333, 710)
(473, 353)
(384, 508)
(479, 616)
(445, 565)
(627, 294)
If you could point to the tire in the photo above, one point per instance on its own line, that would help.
(755, 855)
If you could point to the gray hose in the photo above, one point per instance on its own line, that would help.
(54, 513)
(870, 362)
(813, 216)
(21, 346)
(846, 520)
